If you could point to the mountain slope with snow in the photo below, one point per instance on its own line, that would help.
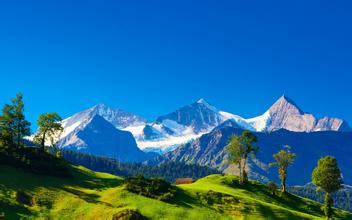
(176, 128)
(119, 118)
(191, 121)
(97, 136)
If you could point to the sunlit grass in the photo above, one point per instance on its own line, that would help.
(93, 195)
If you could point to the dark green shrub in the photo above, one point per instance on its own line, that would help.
(128, 214)
(24, 198)
(211, 198)
(272, 187)
(152, 188)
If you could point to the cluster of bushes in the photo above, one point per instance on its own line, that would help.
(212, 197)
(24, 198)
(153, 188)
(272, 188)
(34, 160)
(128, 214)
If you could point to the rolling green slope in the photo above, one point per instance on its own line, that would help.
(93, 195)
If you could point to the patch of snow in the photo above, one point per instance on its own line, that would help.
(169, 142)
(136, 131)
(70, 128)
(174, 126)
(238, 119)
(260, 123)
(204, 102)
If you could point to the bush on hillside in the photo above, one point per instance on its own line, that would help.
(272, 188)
(152, 188)
(128, 214)
(211, 198)
(24, 198)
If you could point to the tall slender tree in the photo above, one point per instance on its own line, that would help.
(21, 125)
(239, 148)
(7, 127)
(327, 177)
(49, 130)
(283, 159)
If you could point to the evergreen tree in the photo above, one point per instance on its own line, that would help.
(20, 124)
(50, 129)
(327, 176)
(283, 159)
(7, 127)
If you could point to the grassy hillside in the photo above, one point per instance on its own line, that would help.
(92, 195)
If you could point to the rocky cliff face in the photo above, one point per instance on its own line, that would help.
(200, 116)
(285, 114)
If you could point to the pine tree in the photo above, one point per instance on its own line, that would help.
(20, 124)
(7, 127)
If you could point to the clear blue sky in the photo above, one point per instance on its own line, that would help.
(150, 57)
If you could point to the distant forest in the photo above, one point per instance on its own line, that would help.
(169, 171)
(342, 198)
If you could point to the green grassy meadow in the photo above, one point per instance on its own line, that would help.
(94, 195)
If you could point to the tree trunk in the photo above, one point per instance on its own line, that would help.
(283, 185)
(328, 206)
(245, 177)
(43, 142)
(240, 171)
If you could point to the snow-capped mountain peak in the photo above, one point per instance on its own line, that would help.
(206, 104)
(286, 105)
(193, 120)
(117, 117)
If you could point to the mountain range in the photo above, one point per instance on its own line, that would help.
(198, 133)
(309, 147)
(191, 121)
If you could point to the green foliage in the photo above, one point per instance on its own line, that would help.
(283, 159)
(92, 195)
(327, 177)
(272, 187)
(239, 148)
(35, 161)
(49, 129)
(13, 125)
(169, 171)
(24, 198)
(21, 125)
(342, 198)
(128, 214)
(153, 188)
(7, 127)
(214, 198)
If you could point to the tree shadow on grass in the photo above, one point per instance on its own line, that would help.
(14, 211)
(82, 179)
(278, 214)
(183, 199)
(286, 200)
(88, 197)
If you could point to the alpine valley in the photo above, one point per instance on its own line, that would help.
(198, 133)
